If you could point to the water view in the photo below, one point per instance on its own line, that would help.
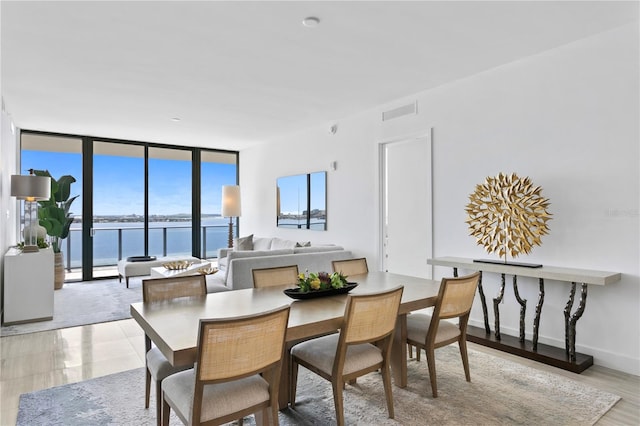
(119, 239)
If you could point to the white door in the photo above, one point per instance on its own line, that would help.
(407, 211)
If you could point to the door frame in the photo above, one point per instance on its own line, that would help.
(382, 197)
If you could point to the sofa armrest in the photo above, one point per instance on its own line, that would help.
(222, 252)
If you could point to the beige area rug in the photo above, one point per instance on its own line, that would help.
(501, 393)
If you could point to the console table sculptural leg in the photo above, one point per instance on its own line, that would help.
(571, 320)
(566, 358)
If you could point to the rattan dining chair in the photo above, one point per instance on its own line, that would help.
(237, 372)
(429, 332)
(350, 266)
(363, 345)
(277, 276)
(162, 290)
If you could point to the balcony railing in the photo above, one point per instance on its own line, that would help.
(164, 241)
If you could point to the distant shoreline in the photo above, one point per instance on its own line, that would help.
(140, 219)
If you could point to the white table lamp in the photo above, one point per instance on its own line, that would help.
(231, 206)
(31, 189)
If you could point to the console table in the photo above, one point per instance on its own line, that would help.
(28, 286)
(566, 359)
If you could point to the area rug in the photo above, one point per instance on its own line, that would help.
(501, 392)
(85, 303)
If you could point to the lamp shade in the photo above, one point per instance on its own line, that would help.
(31, 187)
(231, 206)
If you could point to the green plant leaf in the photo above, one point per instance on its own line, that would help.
(64, 188)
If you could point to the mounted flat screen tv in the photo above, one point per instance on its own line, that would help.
(301, 201)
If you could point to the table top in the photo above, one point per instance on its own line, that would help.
(173, 325)
(585, 276)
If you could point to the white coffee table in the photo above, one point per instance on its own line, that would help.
(162, 272)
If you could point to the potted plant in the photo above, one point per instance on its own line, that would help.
(56, 218)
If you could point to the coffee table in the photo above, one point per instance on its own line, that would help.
(162, 272)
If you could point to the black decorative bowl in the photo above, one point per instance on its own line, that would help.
(295, 293)
(140, 258)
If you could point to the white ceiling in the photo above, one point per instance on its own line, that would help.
(239, 73)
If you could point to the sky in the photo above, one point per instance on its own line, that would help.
(119, 182)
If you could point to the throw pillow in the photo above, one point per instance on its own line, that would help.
(244, 243)
(279, 243)
(303, 244)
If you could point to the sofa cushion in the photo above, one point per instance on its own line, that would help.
(261, 243)
(243, 243)
(279, 243)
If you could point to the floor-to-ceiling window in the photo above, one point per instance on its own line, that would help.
(136, 198)
(118, 207)
(216, 170)
(170, 202)
(60, 155)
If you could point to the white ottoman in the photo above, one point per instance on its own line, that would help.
(128, 269)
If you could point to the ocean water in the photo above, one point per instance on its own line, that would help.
(129, 236)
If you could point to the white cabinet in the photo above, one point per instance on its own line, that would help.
(28, 286)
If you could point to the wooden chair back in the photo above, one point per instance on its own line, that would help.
(161, 289)
(231, 348)
(455, 297)
(277, 276)
(370, 317)
(349, 267)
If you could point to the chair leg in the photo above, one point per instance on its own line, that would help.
(274, 414)
(418, 350)
(388, 389)
(337, 401)
(465, 358)
(294, 382)
(158, 401)
(431, 363)
(147, 389)
(265, 417)
(410, 348)
(166, 410)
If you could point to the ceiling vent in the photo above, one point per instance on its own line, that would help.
(409, 109)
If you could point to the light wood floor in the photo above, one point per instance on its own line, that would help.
(51, 358)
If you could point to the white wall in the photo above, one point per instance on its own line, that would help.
(8, 166)
(567, 118)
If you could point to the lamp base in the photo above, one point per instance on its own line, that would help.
(30, 249)
(230, 240)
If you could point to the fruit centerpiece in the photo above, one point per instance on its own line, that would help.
(316, 281)
(319, 284)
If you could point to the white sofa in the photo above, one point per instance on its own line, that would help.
(235, 266)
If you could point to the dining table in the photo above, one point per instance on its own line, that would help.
(173, 325)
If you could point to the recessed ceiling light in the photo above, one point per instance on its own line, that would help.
(311, 22)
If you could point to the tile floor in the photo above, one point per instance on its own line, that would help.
(42, 360)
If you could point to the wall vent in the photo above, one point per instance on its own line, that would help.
(400, 111)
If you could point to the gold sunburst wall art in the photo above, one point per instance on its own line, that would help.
(508, 215)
